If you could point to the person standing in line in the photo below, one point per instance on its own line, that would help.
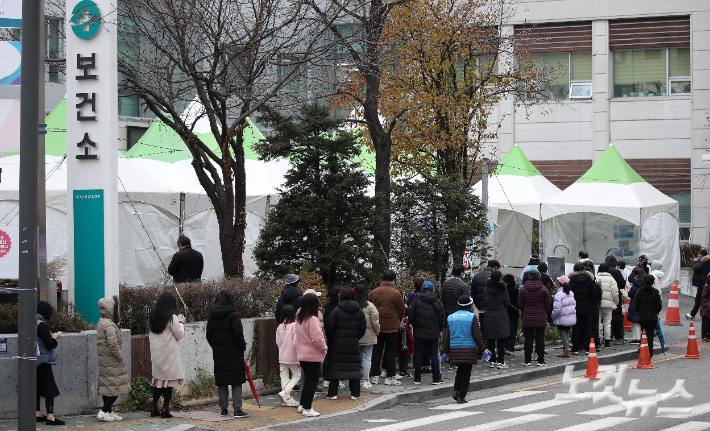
(589, 267)
(187, 264)
(617, 315)
(648, 304)
(165, 331)
(405, 348)
(701, 270)
(451, 290)
(464, 342)
(390, 306)
(288, 357)
(478, 289)
(705, 311)
(311, 350)
(46, 385)
(367, 341)
(583, 257)
(582, 284)
(513, 313)
(534, 300)
(344, 327)
(549, 285)
(329, 306)
(113, 374)
(417, 291)
(564, 313)
(290, 295)
(643, 265)
(532, 264)
(610, 299)
(428, 318)
(497, 327)
(658, 275)
(225, 335)
(637, 284)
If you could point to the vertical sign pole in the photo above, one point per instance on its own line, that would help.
(29, 133)
(92, 152)
(41, 195)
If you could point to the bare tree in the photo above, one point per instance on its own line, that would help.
(222, 58)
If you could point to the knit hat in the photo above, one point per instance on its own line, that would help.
(649, 280)
(312, 291)
(465, 300)
(292, 279)
(563, 279)
(45, 309)
(427, 285)
(496, 275)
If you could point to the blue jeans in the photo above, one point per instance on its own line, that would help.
(432, 348)
(366, 354)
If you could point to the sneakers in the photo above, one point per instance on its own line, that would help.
(375, 380)
(398, 376)
(290, 402)
(502, 366)
(528, 364)
(541, 364)
(461, 401)
(240, 414)
(104, 417)
(224, 412)
(383, 373)
(310, 413)
(334, 397)
(492, 365)
(575, 352)
(689, 316)
(437, 382)
(366, 385)
(391, 381)
(417, 382)
(620, 341)
(282, 396)
(453, 367)
(341, 385)
(456, 395)
(353, 398)
(115, 416)
(299, 409)
(326, 383)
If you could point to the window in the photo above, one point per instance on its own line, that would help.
(133, 134)
(295, 90)
(568, 74)
(684, 210)
(651, 72)
(54, 49)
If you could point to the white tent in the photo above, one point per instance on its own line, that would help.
(516, 189)
(149, 193)
(612, 209)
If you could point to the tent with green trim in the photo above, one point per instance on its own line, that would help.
(516, 189)
(612, 210)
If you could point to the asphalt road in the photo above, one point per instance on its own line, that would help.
(542, 404)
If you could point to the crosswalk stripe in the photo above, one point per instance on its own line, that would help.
(538, 406)
(423, 421)
(700, 409)
(505, 423)
(495, 399)
(598, 424)
(689, 426)
(616, 408)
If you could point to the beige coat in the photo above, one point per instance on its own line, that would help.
(165, 351)
(113, 374)
(372, 317)
(610, 296)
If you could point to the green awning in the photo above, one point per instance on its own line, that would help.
(515, 163)
(611, 168)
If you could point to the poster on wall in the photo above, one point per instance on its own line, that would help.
(10, 63)
(9, 254)
(11, 13)
(9, 125)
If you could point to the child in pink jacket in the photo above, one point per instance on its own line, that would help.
(311, 349)
(288, 357)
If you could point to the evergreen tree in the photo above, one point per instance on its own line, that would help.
(323, 214)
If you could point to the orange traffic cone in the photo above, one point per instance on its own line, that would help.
(692, 351)
(592, 362)
(673, 311)
(627, 322)
(644, 355)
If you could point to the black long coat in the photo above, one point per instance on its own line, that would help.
(345, 326)
(496, 324)
(226, 337)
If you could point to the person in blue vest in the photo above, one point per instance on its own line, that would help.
(465, 337)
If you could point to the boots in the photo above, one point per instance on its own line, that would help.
(564, 354)
(607, 343)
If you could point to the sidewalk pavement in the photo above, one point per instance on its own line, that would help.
(272, 413)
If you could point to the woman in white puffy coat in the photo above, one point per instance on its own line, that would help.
(564, 313)
(657, 273)
(610, 299)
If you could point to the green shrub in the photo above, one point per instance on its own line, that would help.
(65, 319)
(203, 386)
(688, 252)
(141, 397)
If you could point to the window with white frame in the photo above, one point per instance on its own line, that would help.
(652, 72)
(568, 74)
(54, 48)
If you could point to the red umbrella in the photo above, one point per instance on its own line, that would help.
(251, 383)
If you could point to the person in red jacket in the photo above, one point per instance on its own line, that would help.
(534, 301)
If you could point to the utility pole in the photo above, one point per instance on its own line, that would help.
(32, 52)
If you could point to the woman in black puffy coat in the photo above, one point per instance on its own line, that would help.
(226, 337)
(513, 313)
(344, 327)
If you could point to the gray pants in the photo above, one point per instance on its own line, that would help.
(236, 396)
(564, 336)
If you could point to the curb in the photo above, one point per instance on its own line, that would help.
(214, 400)
(420, 395)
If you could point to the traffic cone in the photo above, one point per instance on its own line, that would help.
(692, 351)
(644, 355)
(592, 363)
(627, 322)
(673, 311)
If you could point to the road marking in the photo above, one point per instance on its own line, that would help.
(505, 423)
(423, 421)
(598, 424)
(538, 406)
(700, 409)
(689, 426)
(379, 420)
(495, 399)
(616, 408)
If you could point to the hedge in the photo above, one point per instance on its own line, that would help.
(64, 319)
